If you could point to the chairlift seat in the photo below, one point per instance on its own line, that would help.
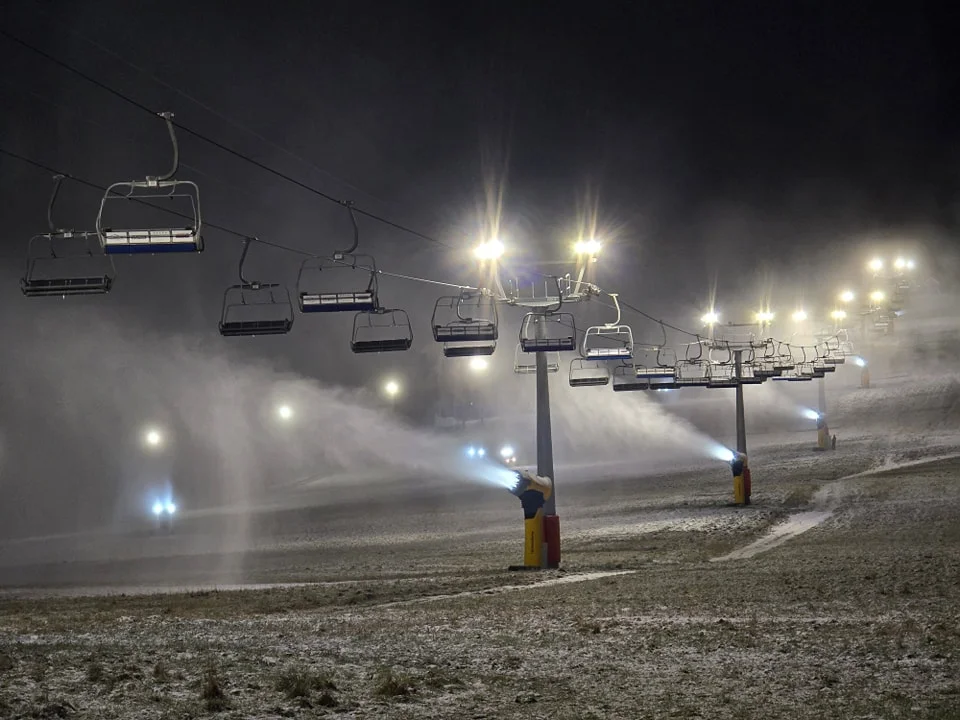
(249, 328)
(151, 241)
(470, 316)
(655, 372)
(588, 375)
(363, 301)
(46, 287)
(548, 332)
(468, 349)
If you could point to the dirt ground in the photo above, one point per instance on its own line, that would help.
(835, 595)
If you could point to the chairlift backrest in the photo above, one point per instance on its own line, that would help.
(468, 317)
(526, 364)
(588, 373)
(253, 308)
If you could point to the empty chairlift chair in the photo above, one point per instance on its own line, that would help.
(656, 366)
(65, 262)
(548, 332)
(526, 364)
(589, 373)
(345, 282)
(381, 330)
(611, 341)
(255, 308)
(466, 324)
(140, 195)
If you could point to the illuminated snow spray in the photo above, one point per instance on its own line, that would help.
(541, 548)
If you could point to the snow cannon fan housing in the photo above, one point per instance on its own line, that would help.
(533, 491)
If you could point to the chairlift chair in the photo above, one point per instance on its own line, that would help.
(610, 341)
(381, 330)
(749, 376)
(648, 365)
(693, 373)
(523, 364)
(588, 373)
(466, 324)
(168, 238)
(255, 308)
(548, 332)
(50, 255)
(722, 375)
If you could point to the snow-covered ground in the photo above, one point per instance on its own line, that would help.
(838, 595)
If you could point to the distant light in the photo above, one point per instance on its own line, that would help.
(811, 414)
(877, 295)
(506, 452)
(481, 452)
(153, 438)
(799, 316)
(391, 388)
(158, 508)
(911, 264)
(847, 296)
(710, 318)
(471, 452)
(876, 264)
(170, 507)
(764, 316)
(859, 361)
(839, 314)
(490, 250)
(285, 412)
(587, 247)
(899, 263)
(478, 363)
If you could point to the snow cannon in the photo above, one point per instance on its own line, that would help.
(534, 491)
(741, 479)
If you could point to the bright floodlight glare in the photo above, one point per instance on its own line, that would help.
(799, 316)
(285, 412)
(710, 318)
(490, 250)
(506, 452)
(877, 295)
(587, 247)
(478, 363)
(899, 263)
(876, 264)
(764, 316)
(391, 387)
(838, 314)
(481, 452)
(153, 438)
(859, 361)
(170, 507)
(471, 452)
(911, 264)
(811, 414)
(847, 296)
(157, 508)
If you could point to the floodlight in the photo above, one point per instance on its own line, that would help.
(799, 316)
(391, 388)
(847, 296)
(764, 316)
(153, 438)
(170, 507)
(877, 296)
(490, 250)
(285, 412)
(478, 363)
(911, 264)
(899, 263)
(876, 264)
(838, 314)
(710, 318)
(158, 508)
(587, 247)
(506, 452)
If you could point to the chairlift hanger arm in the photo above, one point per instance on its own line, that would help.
(57, 180)
(168, 119)
(348, 204)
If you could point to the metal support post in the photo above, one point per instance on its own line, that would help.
(741, 421)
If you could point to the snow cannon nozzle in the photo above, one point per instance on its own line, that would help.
(529, 482)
